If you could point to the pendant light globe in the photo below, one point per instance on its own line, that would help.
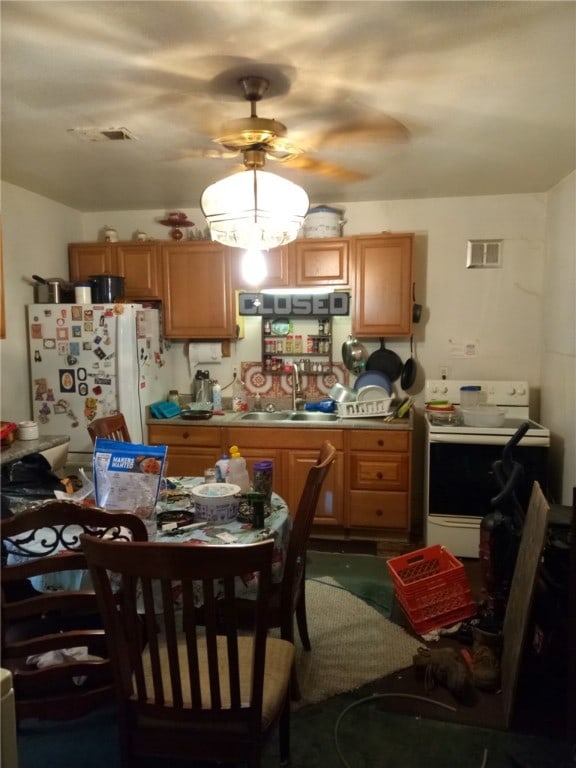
(254, 209)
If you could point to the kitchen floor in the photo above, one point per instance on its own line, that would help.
(539, 701)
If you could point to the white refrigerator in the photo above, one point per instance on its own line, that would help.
(91, 360)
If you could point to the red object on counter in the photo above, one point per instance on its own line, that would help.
(7, 428)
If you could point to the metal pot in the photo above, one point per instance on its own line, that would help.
(106, 288)
(53, 290)
(354, 355)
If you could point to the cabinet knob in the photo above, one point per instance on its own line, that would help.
(379, 475)
(185, 435)
(379, 513)
(380, 443)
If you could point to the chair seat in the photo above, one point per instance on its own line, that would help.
(279, 660)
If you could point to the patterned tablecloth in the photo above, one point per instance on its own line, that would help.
(277, 525)
(178, 502)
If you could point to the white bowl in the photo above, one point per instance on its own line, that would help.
(216, 502)
(483, 416)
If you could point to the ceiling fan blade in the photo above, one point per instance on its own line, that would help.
(382, 129)
(308, 164)
(216, 154)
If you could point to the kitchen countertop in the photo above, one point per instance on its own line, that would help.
(20, 448)
(230, 418)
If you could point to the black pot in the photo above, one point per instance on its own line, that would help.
(106, 288)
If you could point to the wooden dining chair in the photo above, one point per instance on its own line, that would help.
(288, 598)
(111, 427)
(202, 688)
(40, 628)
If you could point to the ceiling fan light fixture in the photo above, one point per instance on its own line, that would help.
(254, 210)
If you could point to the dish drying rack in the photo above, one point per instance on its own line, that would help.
(368, 408)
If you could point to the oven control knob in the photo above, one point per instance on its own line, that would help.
(511, 390)
(520, 391)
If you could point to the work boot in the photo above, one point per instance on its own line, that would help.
(486, 654)
(448, 667)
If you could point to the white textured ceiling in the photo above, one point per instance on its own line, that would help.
(485, 90)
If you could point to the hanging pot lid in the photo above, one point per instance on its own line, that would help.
(385, 361)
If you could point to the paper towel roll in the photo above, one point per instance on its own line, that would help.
(206, 353)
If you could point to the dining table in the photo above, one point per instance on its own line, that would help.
(175, 524)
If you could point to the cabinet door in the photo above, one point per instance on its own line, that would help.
(329, 511)
(189, 462)
(321, 262)
(198, 300)
(139, 264)
(383, 285)
(85, 259)
(277, 269)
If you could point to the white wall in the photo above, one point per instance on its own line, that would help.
(559, 337)
(35, 234)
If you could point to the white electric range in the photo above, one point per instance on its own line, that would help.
(459, 481)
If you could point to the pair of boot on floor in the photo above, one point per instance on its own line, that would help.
(448, 666)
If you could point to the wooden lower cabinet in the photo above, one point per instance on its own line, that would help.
(291, 464)
(380, 478)
(366, 494)
(191, 449)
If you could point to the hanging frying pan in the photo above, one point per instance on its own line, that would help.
(386, 361)
(409, 369)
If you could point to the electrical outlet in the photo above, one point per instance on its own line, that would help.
(444, 372)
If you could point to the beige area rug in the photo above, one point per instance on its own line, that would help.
(352, 644)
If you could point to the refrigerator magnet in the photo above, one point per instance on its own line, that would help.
(36, 330)
(67, 380)
(83, 389)
(81, 374)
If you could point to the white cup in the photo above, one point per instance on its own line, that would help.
(27, 430)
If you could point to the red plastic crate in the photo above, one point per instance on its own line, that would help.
(432, 588)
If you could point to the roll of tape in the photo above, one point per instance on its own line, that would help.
(27, 430)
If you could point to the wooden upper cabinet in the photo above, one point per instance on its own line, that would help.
(85, 259)
(197, 291)
(320, 262)
(277, 268)
(139, 263)
(301, 263)
(383, 285)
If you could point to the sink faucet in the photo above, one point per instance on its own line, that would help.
(298, 398)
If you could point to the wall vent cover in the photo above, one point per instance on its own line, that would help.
(484, 254)
(103, 134)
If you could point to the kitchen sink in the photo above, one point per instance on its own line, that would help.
(265, 416)
(312, 416)
(288, 416)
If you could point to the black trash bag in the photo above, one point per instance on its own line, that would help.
(30, 478)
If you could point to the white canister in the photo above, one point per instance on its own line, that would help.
(323, 221)
(82, 293)
(27, 430)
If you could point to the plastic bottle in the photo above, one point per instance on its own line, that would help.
(239, 402)
(238, 474)
(216, 396)
(222, 469)
(257, 402)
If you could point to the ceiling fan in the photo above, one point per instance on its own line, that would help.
(258, 139)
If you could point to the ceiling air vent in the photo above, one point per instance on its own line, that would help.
(103, 134)
(484, 254)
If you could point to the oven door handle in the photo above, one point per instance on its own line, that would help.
(455, 522)
(475, 439)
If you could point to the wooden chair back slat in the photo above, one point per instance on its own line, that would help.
(111, 427)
